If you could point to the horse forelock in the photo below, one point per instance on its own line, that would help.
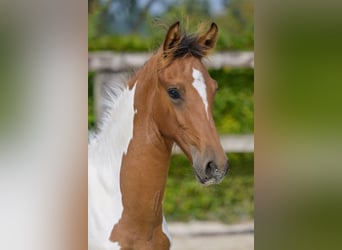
(188, 45)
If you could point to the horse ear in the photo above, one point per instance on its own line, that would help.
(172, 37)
(208, 40)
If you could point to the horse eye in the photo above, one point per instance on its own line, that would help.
(173, 93)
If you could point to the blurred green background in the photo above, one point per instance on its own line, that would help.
(139, 25)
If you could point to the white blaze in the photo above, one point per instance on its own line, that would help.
(199, 85)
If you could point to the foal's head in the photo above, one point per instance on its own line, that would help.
(185, 99)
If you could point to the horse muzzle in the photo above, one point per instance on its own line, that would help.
(211, 173)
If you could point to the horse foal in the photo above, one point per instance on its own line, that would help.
(169, 100)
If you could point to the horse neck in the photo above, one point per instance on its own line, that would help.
(144, 167)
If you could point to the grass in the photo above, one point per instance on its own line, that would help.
(230, 201)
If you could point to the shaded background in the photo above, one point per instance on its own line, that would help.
(140, 26)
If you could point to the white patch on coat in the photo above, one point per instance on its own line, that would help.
(166, 230)
(105, 154)
(199, 85)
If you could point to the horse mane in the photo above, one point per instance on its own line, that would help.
(108, 102)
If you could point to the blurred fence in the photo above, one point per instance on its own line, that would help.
(233, 144)
(121, 62)
(113, 67)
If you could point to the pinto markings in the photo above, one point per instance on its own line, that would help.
(104, 166)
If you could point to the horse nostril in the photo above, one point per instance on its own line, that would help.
(210, 169)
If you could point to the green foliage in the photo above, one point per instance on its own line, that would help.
(234, 101)
(230, 201)
(135, 43)
(131, 27)
(119, 43)
(236, 26)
